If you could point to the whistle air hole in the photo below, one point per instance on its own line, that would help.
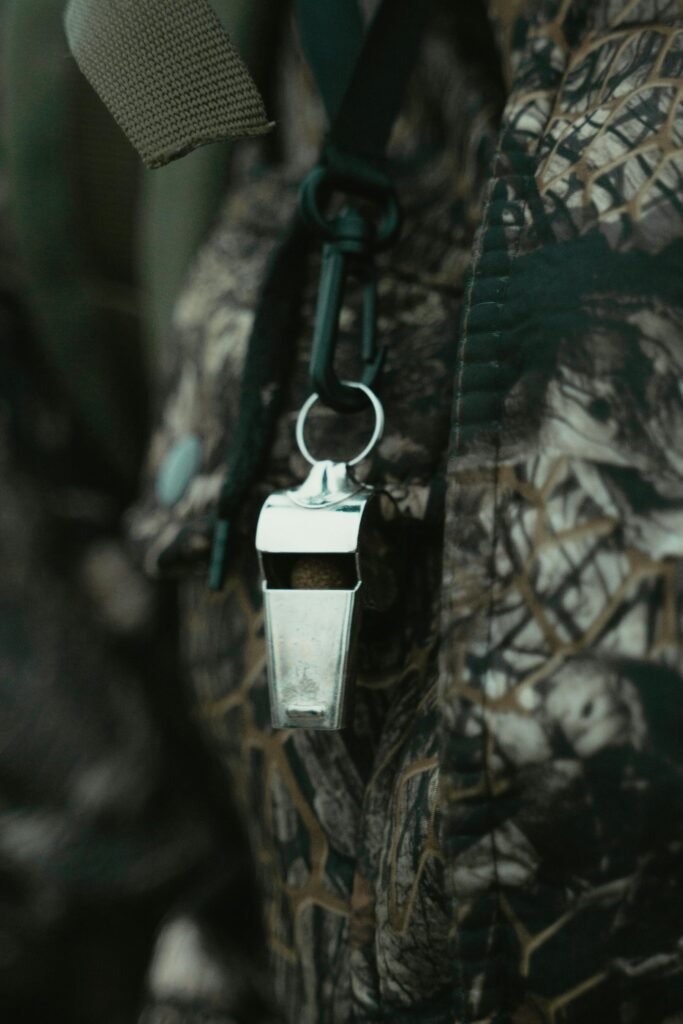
(311, 571)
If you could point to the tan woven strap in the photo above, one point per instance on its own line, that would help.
(167, 71)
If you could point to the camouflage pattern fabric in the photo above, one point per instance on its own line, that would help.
(561, 756)
(498, 837)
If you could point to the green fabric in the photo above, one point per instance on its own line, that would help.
(84, 320)
(167, 71)
(179, 203)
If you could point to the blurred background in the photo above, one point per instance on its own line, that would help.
(113, 819)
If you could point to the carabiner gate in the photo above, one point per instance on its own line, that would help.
(351, 239)
(337, 266)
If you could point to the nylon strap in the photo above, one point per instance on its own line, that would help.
(361, 122)
(332, 37)
(180, 200)
(373, 98)
(167, 71)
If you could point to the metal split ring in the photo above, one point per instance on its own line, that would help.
(376, 434)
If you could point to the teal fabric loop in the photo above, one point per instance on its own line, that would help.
(178, 469)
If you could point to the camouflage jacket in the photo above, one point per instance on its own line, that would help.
(499, 836)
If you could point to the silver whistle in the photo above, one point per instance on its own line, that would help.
(309, 542)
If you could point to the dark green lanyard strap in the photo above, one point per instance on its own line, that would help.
(331, 34)
(363, 107)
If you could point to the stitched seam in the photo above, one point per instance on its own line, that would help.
(497, 424)
(476, 256)
(525, 184)
(469, 292)
(489, 629)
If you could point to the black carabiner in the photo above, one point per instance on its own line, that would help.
(351, 239)
(338, 264)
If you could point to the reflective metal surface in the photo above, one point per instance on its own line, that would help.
(311, 647)
(378, 430)
(308, 543)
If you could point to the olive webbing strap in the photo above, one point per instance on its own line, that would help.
(167, 71)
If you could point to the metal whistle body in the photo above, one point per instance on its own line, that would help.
(308, 542)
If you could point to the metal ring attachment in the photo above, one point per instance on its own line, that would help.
(376, 434)
(321, 180)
